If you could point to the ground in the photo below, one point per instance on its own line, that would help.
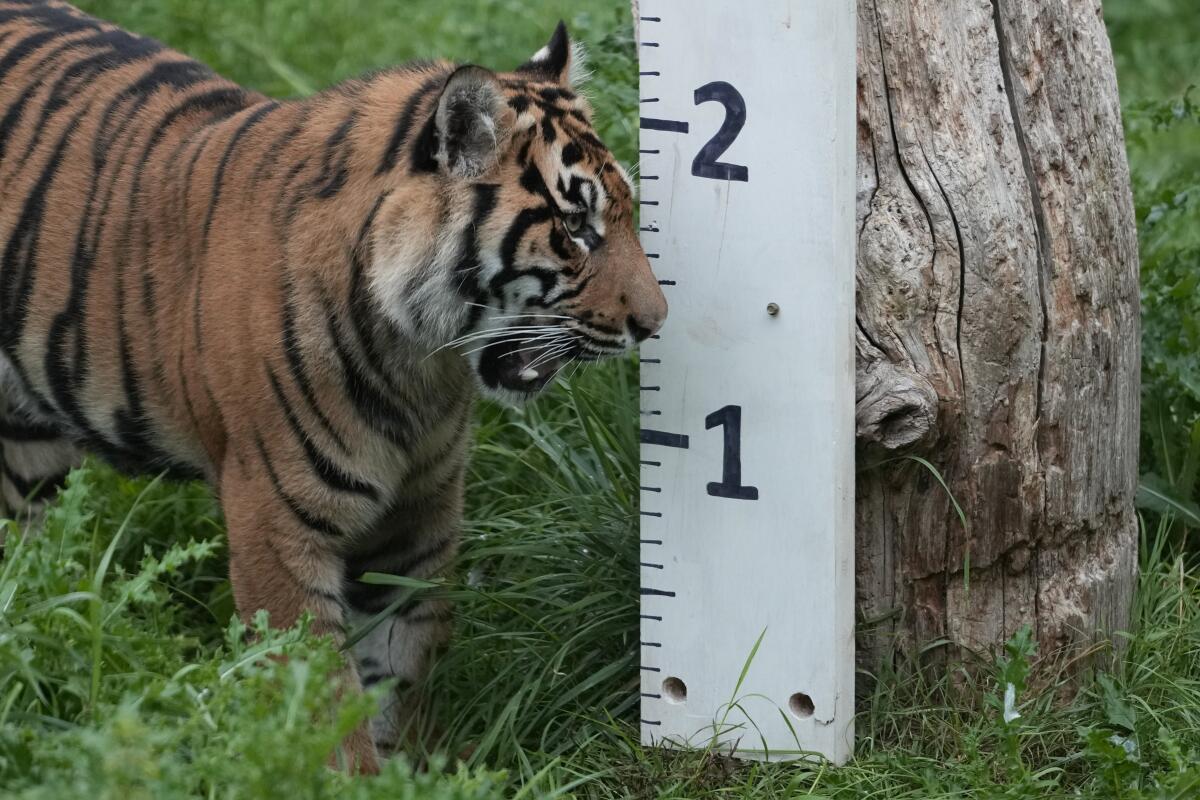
(122, 674)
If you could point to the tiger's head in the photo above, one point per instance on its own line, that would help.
(538, 246)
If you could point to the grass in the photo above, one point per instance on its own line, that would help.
(123, 673)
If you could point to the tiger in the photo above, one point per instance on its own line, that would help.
(298, 301)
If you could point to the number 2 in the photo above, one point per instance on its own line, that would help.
(731, 464)
(705, 164)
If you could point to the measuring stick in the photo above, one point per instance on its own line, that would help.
(747, 212)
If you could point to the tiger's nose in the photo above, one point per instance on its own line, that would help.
(647, 317)
(640, 332)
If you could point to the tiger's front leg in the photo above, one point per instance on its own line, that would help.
(288, 566)
(417, 538)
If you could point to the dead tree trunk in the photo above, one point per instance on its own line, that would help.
(997, 325)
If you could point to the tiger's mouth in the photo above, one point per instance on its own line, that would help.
(523, 365)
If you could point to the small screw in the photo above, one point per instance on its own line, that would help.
(772, 309)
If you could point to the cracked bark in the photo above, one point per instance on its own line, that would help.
(997, 325)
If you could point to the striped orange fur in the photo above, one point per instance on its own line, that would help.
(297, 300)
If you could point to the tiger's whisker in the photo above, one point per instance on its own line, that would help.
(519, 340)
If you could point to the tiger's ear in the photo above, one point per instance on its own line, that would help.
(561, 60)
(471, 122)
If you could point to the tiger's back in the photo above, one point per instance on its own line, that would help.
(297, 301)
(91, 115)
(134, 255)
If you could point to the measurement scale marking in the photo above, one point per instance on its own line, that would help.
(649, 436)
(668, 125)
(663, 438)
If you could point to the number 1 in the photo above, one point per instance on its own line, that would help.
(731, 468)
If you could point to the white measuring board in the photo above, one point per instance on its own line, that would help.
(747, 210)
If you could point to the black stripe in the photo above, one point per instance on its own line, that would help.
(335, 170)
(295, 361)
(468, 267)
(26, 47)
(218, 180)
(290, 201)
(14, 112)
(35, 490)
(409, 562)
(272, 152)
(329, 473)
(199, 143)
(405, 122)
(214, 199)
(20, 255)
(223, 100)
(24, 430)
(425, 147)
(115, 49)
(571, 154)
(558, 243)
(577, 289)
(360, 301)
(371, 598)
(296, 579)
(374, 407)
(533, 182)
(306, 517)
(574, 193)
(512, 240)
(186, 392)
(58, 18)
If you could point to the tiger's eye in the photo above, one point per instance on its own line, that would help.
(574, 222)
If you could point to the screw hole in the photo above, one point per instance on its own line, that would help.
(674, 690)
(801, 705)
